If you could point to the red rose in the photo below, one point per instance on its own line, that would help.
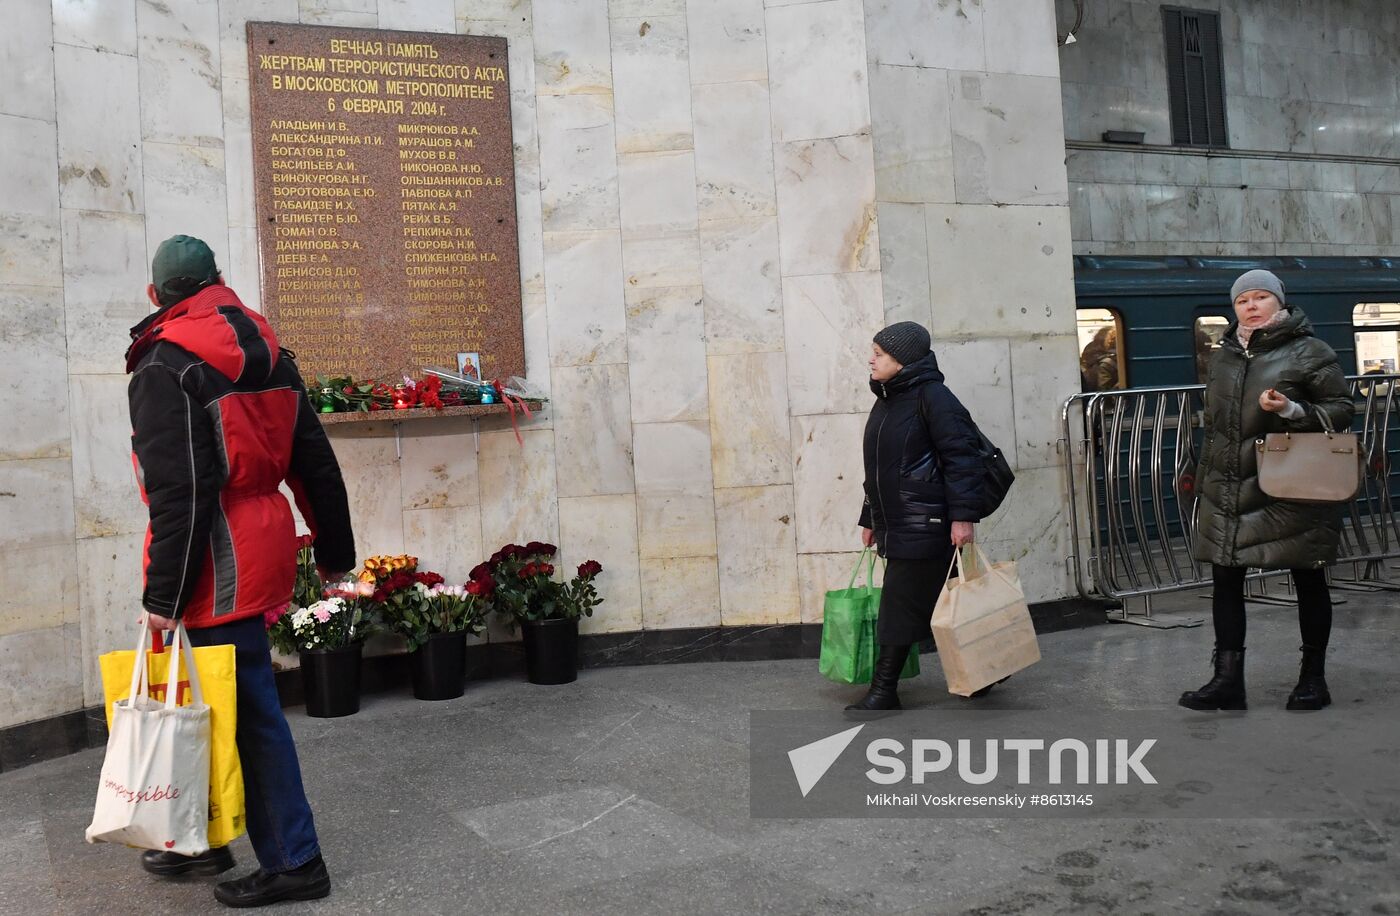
(528, 570)
(539, 549)
(428, 578)
(546, 569)
(590, 569)
(480, 572)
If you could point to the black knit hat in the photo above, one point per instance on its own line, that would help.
(906, 341)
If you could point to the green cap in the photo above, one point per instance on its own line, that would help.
(182, 257)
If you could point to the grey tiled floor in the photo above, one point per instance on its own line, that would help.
(627, 793)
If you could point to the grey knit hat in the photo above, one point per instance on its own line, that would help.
(906, 341)
(1258, 279)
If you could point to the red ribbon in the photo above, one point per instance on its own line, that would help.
(511, 401)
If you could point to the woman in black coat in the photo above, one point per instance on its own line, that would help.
(923, 492)
(1269, 375)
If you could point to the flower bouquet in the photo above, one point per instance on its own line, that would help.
(547, 611)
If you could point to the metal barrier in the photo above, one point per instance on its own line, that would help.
(1130, 461)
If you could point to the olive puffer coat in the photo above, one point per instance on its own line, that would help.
(923, 464)
(1237, 523)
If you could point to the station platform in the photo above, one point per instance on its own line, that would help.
(627, 793)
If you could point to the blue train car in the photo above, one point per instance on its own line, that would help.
(1156, 318)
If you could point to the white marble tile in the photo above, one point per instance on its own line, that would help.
(1117, 212)
(572, 53)
(727, 41)
(680, 592)
(106, 500)
(234, 16)
(816, 70)
(508, 18)
(973, 292)
(819, 573)
(1168, 169)
(314, 14)
(604, 528)
(1231, 205)
(633, 9)
(30, 253)
(734, 151)
(519, 497)
(743, 286)
(826, 204)
(36, 602)
(363, 7)
(593, 429)
(28, 160)
(904, 263)
(757, 556)
(1003, 129)
(1030, 529)
(829, 321)
(39, 691)
(583, 282)
(926, 33)
(978, 372)
(535, 321)
(749, 419)
(651, 83)
(109, 595)
(675, 491)
(578, 163)
(102, 25)
(439, 465)
(26, 61)
(1021, 37)
(186, 195)
(828, 473)
(104, 292)
(1044, 371)
(418, 15)
(662, 262)
(99, 130)
(657, 193)
(446, 541)
(37, 508)
(179, 72)
(913, 134)
(1180, 214)
(240, 267)
(371, 471)
(1080, 224)
(666, 354)
(1103, 165)
(238, 154)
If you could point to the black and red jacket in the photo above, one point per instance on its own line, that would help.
(220, 419)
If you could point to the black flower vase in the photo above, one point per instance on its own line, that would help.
(439, 667)
(551, 650)
(331, 680)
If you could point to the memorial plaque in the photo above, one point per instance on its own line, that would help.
(385, 181)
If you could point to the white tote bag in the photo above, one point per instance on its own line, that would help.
(154, 788)
(982, 625)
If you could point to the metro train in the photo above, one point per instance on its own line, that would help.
(1152, 321)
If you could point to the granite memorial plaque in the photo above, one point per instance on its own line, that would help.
(385, 186)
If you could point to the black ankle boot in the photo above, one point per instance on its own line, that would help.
(883, 685)
(171, 864)
(1226, 689)
(1311, 692)
(309, 882)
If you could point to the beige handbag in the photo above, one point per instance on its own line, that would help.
(1320, 467)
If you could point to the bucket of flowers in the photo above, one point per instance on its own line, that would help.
(546, 610)
(434, 618)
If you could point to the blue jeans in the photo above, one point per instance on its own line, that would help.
(278, 816)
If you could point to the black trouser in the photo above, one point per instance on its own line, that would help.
(1227, 605)
(907, 597)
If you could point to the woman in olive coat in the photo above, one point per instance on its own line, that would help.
(1270, 374)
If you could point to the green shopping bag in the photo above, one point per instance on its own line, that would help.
(848, 629)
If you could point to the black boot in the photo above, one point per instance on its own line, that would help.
(308, 882)
(1311, 692)
(1226, 689)
(884, 683)
(171, 864)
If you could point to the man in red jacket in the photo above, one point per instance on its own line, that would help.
(219, 420)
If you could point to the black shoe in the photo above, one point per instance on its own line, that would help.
(986, 690)
(1226, 689)
(1311, 692)
(882, 696)
(170, 864)
(309, 882)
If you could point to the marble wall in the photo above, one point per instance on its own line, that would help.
(719, 203)
(1310, 89)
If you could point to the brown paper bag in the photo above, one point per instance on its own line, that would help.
(982, 625)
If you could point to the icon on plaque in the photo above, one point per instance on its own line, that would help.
(469, 364)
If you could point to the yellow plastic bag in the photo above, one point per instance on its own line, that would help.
(216, 675)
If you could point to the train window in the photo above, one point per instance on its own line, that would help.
(1210, 330)
(1101, 363)
(1378, 345)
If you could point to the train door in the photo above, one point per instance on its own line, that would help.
(1208, 330)
(1103, 365)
